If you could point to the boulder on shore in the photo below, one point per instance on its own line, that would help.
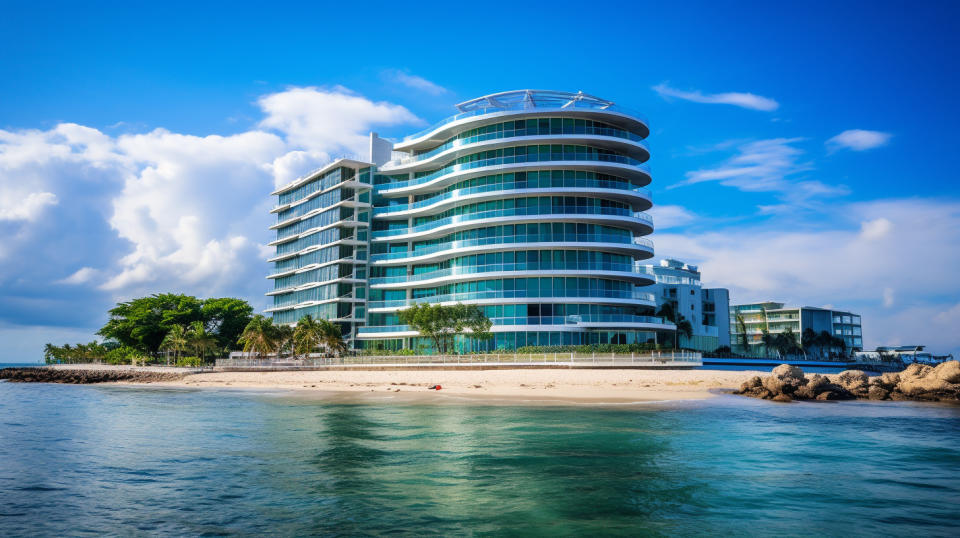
(82, 376)
(917, 382)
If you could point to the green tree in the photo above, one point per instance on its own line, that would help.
(767, 339)
(200, 340)
(307, 335)
(175, 341)
(440, 323)
(808, 339)
(667, 312)
(473, 318)
(742, 327)
(331, 337)
(226, 317)
(284, 343)
(143, 323)
(260, 336)
(685, 328)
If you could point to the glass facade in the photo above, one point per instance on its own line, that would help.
(495, 209)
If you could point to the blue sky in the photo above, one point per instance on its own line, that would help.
(802, 153)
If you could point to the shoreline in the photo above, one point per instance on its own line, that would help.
(613, 386)
(585, 386)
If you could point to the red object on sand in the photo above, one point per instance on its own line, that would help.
(438, 387)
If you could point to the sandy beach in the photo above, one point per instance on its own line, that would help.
(564, 384)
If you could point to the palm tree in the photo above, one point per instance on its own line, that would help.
(199, 340)
(685, 328)
(331, 337)
(49, 353)
(742, 326)
(176, 341)
(825, 342)
(307, 335)
(284, 340)
(808, 339)
(767, 339)
(260, 336)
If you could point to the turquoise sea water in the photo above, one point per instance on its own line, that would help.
(125, 461)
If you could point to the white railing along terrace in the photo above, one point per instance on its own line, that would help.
(508, 267)
(550, 212)
(505, 189)
(513, 133)
(515, 159)
(680, 359)
(573, 319)
(514, 294)
(528, 107)
(512, 240)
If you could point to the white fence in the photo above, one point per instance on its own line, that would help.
(654, 359)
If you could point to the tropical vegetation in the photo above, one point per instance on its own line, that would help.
(145, 322)
(683, 325)
(441, 323)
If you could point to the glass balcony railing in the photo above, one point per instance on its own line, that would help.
(515, 159)
(513, 294)
(612, 319)
(513, 239)
(554, 211)
(515, 185)
(506, 267)
(512, 133)
(528, 107)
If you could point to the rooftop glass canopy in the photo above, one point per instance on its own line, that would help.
(527, 100)
(533, 99)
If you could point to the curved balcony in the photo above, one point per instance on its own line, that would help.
(465, 273)
(517, 297)
(616, 164)
(632, 297)
(524, 103)
(641, 221)
(638, 197)
(560, 213)
(631, 147)
(506, 324)
(639, 247)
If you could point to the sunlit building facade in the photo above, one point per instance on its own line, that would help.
(678, 284)
(749, 321)
(529, 204)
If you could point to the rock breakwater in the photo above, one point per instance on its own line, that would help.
(917, 382)
(84, 376)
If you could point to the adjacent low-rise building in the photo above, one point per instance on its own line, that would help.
(748, 322)
(707, 309)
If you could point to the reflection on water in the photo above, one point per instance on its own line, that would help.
(82, 459)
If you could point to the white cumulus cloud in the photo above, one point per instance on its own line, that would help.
(859, 140)
(158, 211)
(876, 228)
(333, 121)
(743, 100)
(671, 216)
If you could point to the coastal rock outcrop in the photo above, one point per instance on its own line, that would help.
(84, 376)
(917, 382)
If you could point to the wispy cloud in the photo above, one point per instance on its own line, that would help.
(766, 166)
(413, 81)
(671, 216)
(743, 100)
(858, 140)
